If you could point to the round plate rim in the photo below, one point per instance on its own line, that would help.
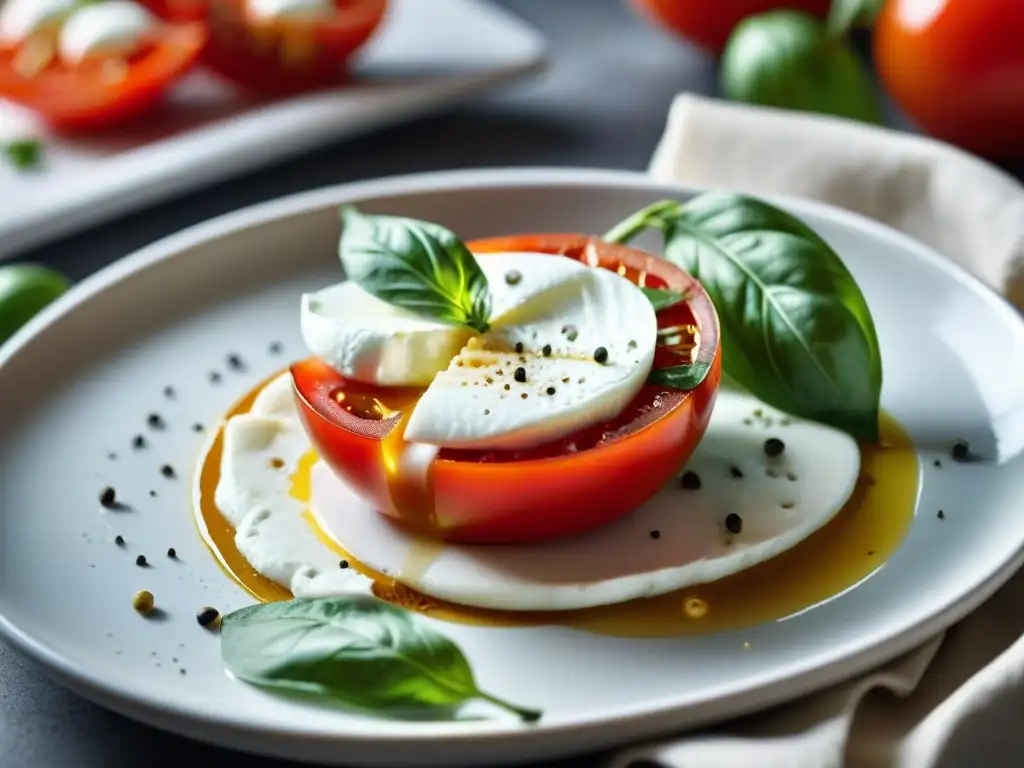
(616, 726)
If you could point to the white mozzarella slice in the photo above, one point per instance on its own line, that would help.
(621, 561)
(478, 402)
(114, 28)
(369, 340)
(291, 9)
(22, 19)
(279, 543)
(260, 455)
(276, 399)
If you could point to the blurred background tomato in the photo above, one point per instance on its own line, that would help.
(710, 22)
(957, 68)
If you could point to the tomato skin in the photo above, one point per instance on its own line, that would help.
(81, 99)
(958, 71)
(710, 22)
(253, 53)
(535, 499)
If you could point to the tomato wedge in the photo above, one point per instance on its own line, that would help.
(287, 54)
(98, 94)
(559, 489)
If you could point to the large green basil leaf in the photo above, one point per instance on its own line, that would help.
(415, 265)
(796, 331)
(360, 651)
(24, 290)
(786, 59)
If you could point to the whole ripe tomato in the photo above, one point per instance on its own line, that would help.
(957, 68)
(710, 22)
(565, 487)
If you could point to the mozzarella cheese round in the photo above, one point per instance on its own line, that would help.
(533, 377)
(369, 340)
(22, 19)
(293, 540)
(290, 9)
(114, 28)
(780, 500)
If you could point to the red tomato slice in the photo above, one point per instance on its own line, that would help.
(284, 55)
(563, 488)
(95, 95)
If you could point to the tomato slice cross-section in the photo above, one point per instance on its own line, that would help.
(562, 488)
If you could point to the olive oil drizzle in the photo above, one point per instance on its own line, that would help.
(848, 550)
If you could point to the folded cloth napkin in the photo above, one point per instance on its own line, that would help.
(956, 700)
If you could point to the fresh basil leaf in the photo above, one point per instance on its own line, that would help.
(356, 650)
(844, 15)
(24, 154)
(415, 265)
(796, 331)
(24, 290)
(680, 376)
(661, 299)
(786, 59)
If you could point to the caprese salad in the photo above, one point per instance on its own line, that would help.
(83, 64)
(534, 424)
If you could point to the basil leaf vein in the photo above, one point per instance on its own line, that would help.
(359, 651)
(796, 331)
(416, 265)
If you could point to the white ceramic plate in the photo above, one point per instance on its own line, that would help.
(426, 55)
(79, 381)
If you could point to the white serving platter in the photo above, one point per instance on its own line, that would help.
(79, 380)
(429, 53)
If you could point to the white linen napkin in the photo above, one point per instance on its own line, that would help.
(956, 700)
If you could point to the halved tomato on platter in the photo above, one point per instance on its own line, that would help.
(565, 487)
(282, 54)
(100, 93)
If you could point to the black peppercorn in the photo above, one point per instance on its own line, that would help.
(141, 561)
(736, 472)
(167, 470)
(519, 374)
(119, 540)
(959, 450)
(207, 616)
(600, 355)
(275, 348)
(343, 564)
(513, 277)
(546, 351)
(774, 447)
(655, 534)
(155, 421)
(169, 393)
(138, 442)
(519, 347)
(733, 523)
(108, 498)
(551, 390)
(690, 481)
(172, 553)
